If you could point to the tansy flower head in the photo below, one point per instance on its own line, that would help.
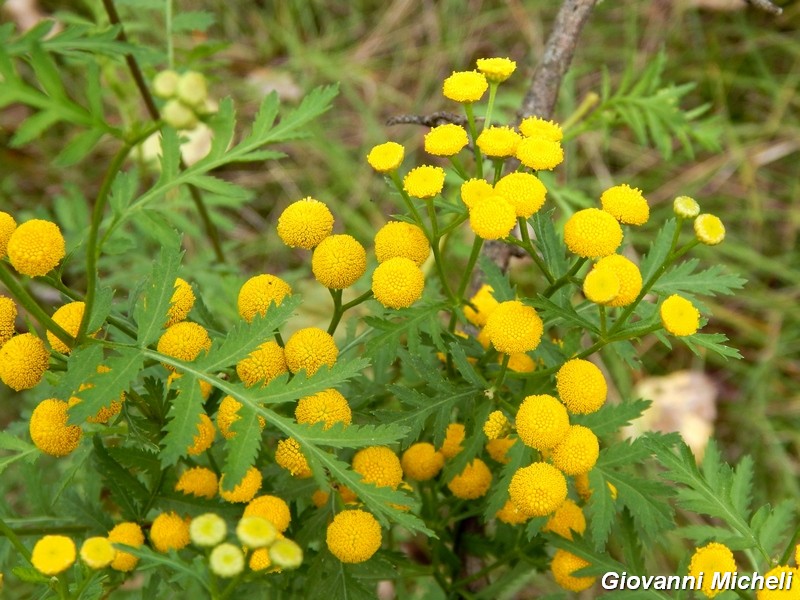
(36, 247)
(628, 275)
(353, 536)
(256, 532)
(184, 341)
(510, 514)
(492, 218)
(514, 327)
(262, 365)
(305, 223)
(398, 282)
(578, 451)
(473, 482)
(496, 70)
(165, 84)
(679, 316)
(564, 565)
(198, 481)
(289, 456)
(626, 204)
(496, 425)
(97, 552)
(484, 304)
(686, 207)
(581, 386)
(49, 430)
(453, 437)
(245, 490)
(540, 154)
(7, 227)
(386, 157)
(192, 89)
(542, 422)
(524, 191)
(8, 317)
(129, 534)
(309, 349)
(708, 560)
(538, 490)
(538, 127)
(708, 229)
(258, 293)
(169, 531)
(53, 554)
(498, 142)
(398, 238)
(776, 572)
(327, 406)
(473, 190)
(204, 438)
(378, 465)
(465, 86)
(339, 261)
(422, 462)
(259, 560)
(520, 362)
(446, 140)
(226, 560)
(286, 554)
(498, 449)
(592, 232)
(181, 303)
(601, 286)
(23, 361)
(207, 530)
(424, 181)
(69, 318)
(176, 114)
(567, 518)
(273, 509)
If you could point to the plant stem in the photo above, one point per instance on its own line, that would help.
(587, 104)
(337, 310)
(503, 370)
(459, 167)
(528, 246)
(473, 132)
(477, 244)
(409, 203)
(602, 310)
(168, 27)
(5, 530)
(490, 105)
(564, 279)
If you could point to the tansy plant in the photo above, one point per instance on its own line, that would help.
(436, 431)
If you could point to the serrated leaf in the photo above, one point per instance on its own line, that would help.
(106, 387)
(742, 484)
(549, 243)
(502, 289)
(682, 278)
(659, 250)
(151, 309)
(415, 319)
(242, 449)
(125, 489)
(183, 419)
(550, 309)
(354, 436)
(519, 455)
(150, 559)
(712, 341)
(78, 148)
(771, 532)
(600, 509)
(81, 365)
(22, 450)
(464, 367)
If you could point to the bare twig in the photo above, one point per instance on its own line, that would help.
(766, 5)
(432, 120)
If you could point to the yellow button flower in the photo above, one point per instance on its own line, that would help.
(473, 482)
(564, 565)
(7, 227)
(524, 191)
(473, 190)
(262, 365)
(256, 532)
(184, 341)
(538, 490)
(422, 462)
(498, 141)
(258, 293)
(592, 232)
(626, 204)
(386, 157)
(353, 536)
(465, 86)
(226, 560)
(305, 223)
(581, 386)
(540, 154)
(198, 481)
(207, 530)
(69, 318)
(679, 316)
(542, 422)
(259, 560)
(398, 238)
(181, 303)
(498, 449)
(446, 140)
(192, 89)
(453, 437)
(510, 514)
(538, 127)
(129, 534)
(228, 414)
(169, 531)
(496, 425)
(492, 218)
(686, 207)
(289, 456)
(567, 518)
(36, 247)
(708, 560)
(378, 465)
(309, 349)
(628, 275)
(97, 552)
(327, 406)
(496, 70)
(204, 438)
(785, 594)
(245, 490)
(23, 361)
(53, 554)
(273, 509)
(708, 229)
(165, 84)
(520, 362)
(424, 181)
(484, 304)
(49, 430)
(8, 318)
(339, 261)
(601, 286)
(398, 283)
(514, 327)
(578, 451)
(286, 554)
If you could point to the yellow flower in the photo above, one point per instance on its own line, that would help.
(320, 498)
(520, 362)
(198, 481)
(53, 554)
(258, 293)
(273, 509)
(398, 238)
(496, 426)
(465, 86)
(708, 560)
(424, 181)
(498, 449)
(353, 536)
(169, 531)
(452, 440)
(378, 465)
(422, 462)
(7, 227)
(592, 232)
(492, 218)
(204, 438)
(176, 114)
(567, 518)
(498, 142)
(679, 316)
(8, 318)
(496, 70)
(129, 534)
(69, 318)
(628, 275)
(23, 361)
(207, 530)
(165, 84)
(601, 286)
(484, 304)
(97, 552)
(327, 406)
(286, 554)
(578, 451)
(305, 223)
(259, 560)
(510, 514)
(537, 127)
(386, 157)
(309, 349)
(181, 303)
(514, 327)
(226, 560)
(192, 89)
(245, 490)
(49, 430)
(473, 482)
(542, 422)
(538, 489)
(785, 594)
(564, 565)
(289, 456)
(540, 154)
(256, 532)
(262, 365)
(686, 207)
(626, 204)
(36, 247)
(184, 341)
(397, 282)
(581, 386)
(473, 190)
(339, 261)
(708, 229)
(524, 191)
(446, 140)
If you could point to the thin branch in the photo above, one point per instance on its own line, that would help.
(766, 6)
(432, 120)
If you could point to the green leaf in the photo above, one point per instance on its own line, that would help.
(354, 436)
(150, 559)
(601, 510)
(126, 491)
(184, 417)
(425, 316)
(550, 309)
(519, 455)
(242, 449)
(502, 289)
(612, 417)
(81, 365)
(151, 309)
(22, 449)
(659, 250)
(106, 387)
(78, 148)
(712, 341)
(549, 243)
(710, 282)
(771, 531)
(464, 367)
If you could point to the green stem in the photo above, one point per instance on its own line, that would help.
(168, 27)
(477, 244)
(498, 169)
(490, 106)
(564, 279)
(362, 298)
(473, 132)
(437, 256)
(528, 246)
(587, 104)
(6, 531)
(458, 220)
(602, 310)
(503, 370)
(337, 310)
(459, 167)
(409, 202)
